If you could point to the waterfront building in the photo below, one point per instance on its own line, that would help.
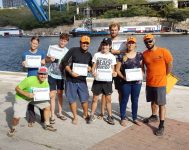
(12, 3)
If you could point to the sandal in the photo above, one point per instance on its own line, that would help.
(30, 124)
(52, 121)
(100, 116)
(62, 117)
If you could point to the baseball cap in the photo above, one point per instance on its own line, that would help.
(85, 39)
(43, 70)
(131, 39)
(107, 41)
(148, 36)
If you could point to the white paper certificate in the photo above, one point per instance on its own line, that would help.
(119, 45)
(54, 52)
(33, 61)
(80, 69)
(103, 75)
(41, 94)
(133, 74)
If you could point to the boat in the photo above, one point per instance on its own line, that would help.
(85, 31)
(11, 32)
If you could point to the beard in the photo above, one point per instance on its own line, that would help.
(149, 46)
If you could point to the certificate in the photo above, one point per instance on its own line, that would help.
(103, 75)
(134, 74)
(119, 45)
(33, 61)
(55, 52)
(80, 69)
(41, 94)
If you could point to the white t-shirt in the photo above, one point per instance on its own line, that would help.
(53, 69)
(104, 62)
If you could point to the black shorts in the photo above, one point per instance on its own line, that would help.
(156, 94)
(55, 84)
(100, 87)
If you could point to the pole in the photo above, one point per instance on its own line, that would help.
(49, 10)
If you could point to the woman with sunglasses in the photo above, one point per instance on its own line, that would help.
(129, 70)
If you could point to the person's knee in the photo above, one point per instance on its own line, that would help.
(47, 108)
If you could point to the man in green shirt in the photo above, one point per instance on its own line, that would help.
(24, 95)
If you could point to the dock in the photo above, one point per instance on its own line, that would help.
(99, 135)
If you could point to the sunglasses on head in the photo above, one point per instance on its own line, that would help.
(148, 41)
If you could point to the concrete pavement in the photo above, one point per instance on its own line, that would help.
(84, 136)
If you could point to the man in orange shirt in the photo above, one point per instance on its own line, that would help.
(158, 63)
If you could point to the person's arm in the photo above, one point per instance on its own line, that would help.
(69, 70)
(49, 59)
(94, 69)
(24, 93)
(65, 61)
(118, 67)
(115, 52)
(169, 67)
(114, 73)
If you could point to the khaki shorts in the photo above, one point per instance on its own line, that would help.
(20, 107)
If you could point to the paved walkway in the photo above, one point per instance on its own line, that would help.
(98, 135)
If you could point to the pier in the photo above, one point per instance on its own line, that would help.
(99, 135)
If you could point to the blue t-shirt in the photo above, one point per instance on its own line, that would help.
(33, 71)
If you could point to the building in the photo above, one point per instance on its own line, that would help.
(12, 3)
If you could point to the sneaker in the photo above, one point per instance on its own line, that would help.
(91, 119)
(159, 131)
(11, 132)
(110, 120)
(50, 128)
(151, 119)
(52, 121)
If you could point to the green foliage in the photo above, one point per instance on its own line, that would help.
(178, 15)
(24, 19)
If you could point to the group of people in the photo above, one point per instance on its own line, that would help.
(125, 67)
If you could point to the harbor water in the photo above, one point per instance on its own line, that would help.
(11, 49)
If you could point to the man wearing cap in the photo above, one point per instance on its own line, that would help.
(24, 95)
(158, 62)
(76, 85)
(103, 62)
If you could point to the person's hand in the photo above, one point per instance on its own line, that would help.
(75, 75)
(52, 58)
(43, 62)
(114, 74)
(113, 51)
(30, 95)
(94, 74)
(24, 63)
(89, 68)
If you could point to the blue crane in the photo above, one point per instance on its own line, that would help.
(37, 10)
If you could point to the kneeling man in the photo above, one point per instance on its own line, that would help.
(25, 94)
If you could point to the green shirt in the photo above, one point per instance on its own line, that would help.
(28, 84)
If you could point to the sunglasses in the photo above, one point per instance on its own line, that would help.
(85, 43)
(149, 41)
(42, 73)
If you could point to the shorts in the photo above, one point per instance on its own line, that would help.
(156, 94)
(100, 87)
(20, 107)
(55, 84)
(74, 90)
(117, 83)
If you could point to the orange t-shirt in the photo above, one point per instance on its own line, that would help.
(155, 62)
